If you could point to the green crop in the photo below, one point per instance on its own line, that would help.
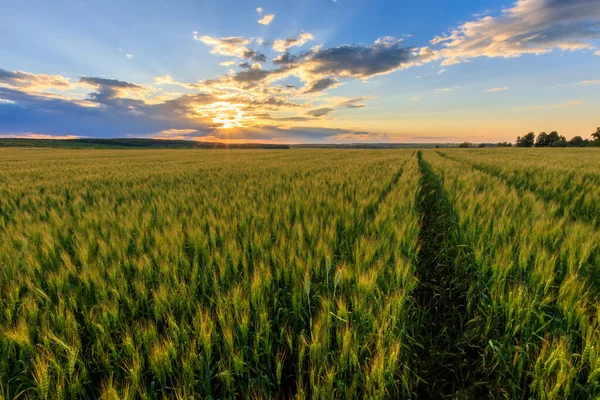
(146, 274)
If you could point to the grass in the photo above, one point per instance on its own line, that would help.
(299, 274)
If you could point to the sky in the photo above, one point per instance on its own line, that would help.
(304, 71)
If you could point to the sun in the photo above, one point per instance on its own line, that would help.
(226, 115)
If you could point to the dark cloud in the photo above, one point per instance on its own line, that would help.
(56, 116)
(255, 56)
(285, 59)
(251, 76)
(385, 55)
(321, 85)
(7, 75)
(245, 65)
(112, 83)
(353, 103)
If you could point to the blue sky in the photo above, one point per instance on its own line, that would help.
(309, 71)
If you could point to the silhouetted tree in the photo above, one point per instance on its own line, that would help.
(465, 145)
(504, 144)
(527, 140)
(596, 135)
(481, 145)
(561, 142)
(554, 137)
(577, 141)
(541, 140)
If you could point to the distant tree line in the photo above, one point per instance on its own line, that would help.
(553, 139)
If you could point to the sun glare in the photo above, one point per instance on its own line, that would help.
(226, 115)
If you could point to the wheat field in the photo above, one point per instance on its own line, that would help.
(322, 274)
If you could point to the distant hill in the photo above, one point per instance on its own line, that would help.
(133, 143)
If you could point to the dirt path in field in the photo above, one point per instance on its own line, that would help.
(448, 357)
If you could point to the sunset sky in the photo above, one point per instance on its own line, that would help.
(300, 71)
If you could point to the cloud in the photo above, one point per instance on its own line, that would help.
(445, 90)
(597, 53)
(441, 71)
(319, 112)
(384, 56)
(240, 99)
(528, 27)
(282, 45)
(267, 19)
(227, 63)
(191, 117)
(286, 59)
(584, 83)
(251, 75)
(498, 89)
(357, 102)
(38, 136)
(230, 46)
(321, 85)
(259, 10)
(109, 92)
(129, 56)
(254, 56)
(33, 82)
(113, 83)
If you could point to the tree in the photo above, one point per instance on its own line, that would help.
(465, 145)
(542, 140)
(504, 144)
(577, 141)
(481, 145)
(554, 137)
(561, 142)
(527, 140)
(596, 135)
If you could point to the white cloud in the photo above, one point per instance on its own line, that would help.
(227, 63)
(441, 71)
(129, 56)
(282, 45)
(446, 90)
(267, 19)
(597, 53)
(259, 10)
(229, 46)
(498, 89)
(584, 83)
(528, 27)
(33, 82)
